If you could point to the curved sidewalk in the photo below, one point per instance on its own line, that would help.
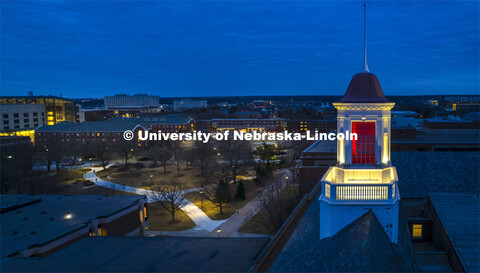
(202, 221)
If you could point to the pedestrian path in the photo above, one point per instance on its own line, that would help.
(205, 226)
(201, 220)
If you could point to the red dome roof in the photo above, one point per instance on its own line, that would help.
(364, 88)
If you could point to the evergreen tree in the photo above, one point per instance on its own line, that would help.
(240, 195)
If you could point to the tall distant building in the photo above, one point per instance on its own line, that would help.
(20, 115)
(122, 101)
(188, 104)
(363, 178)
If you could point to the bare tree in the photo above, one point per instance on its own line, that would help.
(165, 154)
(218, 194)
(205, 157)
(103, 153)
(236, 157)
(278, 200)
(293, 154)
(189, 157)
(126, 149)
(51, 152)
(178, 149)
(169, 196)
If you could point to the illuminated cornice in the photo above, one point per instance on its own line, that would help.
(364, 106)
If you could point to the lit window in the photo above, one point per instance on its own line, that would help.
(417, 231)
(100, 231)
(363, 149)
(327, 190)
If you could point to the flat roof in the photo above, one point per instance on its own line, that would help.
(460, 217)
(447, 137)
(422, 172)
(28, 220)
(322, 146)
(145, 254)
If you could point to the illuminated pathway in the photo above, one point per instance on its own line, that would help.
(231, 226)
(203, 223)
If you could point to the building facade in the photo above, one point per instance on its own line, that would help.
(21, 119)
(21, 115)
(179, 105)
(363, 178)
(122, 101)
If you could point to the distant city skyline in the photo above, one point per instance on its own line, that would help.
(219, 48)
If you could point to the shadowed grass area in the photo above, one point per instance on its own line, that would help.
(259, 224)
(70, 176)
(138, 175)
(160, 219)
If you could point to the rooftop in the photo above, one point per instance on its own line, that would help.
(460, 217)
(160, 120)
(364, 88)
(362, 246)
(146, 254)
(88, 126)
(321, 147)
(28, 220)
(422, 172)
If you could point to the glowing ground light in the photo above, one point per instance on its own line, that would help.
(68, 216)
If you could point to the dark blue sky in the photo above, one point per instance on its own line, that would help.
(209, 48)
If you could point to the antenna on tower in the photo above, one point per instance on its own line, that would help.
(365, 35)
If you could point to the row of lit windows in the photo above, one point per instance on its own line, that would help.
(25, 115)
(78, 134)
(16, 121)
(39, 139)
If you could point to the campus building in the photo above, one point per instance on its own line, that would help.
(123, 101)
(179, 105)
(34, 226)
(109, 131)
(320, 125)
(246, 125)
(21, 115)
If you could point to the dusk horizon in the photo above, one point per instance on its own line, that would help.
(175, 49)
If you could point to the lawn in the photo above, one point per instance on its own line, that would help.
(68, 176)
(138, 175)
(230, 208)
(160, 219)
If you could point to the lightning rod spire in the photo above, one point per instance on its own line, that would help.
(365, 35)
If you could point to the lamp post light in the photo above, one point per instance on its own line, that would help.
(90, 159)
(201, 199)
(9, 157)
(151, 179)
(218, 232)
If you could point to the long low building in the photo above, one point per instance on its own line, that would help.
(247, 125)
(109, 131)
(39, 225)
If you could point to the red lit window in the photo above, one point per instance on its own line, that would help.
(363, 149)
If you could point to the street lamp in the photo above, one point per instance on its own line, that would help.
(218, 232)
(151, 179)
(201, 199)
(90, 159)
(9, 157)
